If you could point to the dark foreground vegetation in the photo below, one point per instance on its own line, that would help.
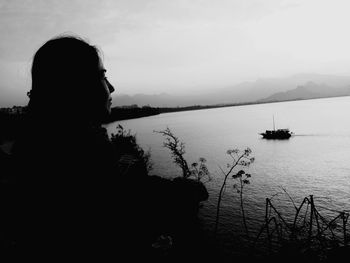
(159, 215)
(307, 236)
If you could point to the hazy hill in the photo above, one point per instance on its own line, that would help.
(310, 90)
(246, 92)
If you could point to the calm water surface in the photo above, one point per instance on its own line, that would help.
(315, 161)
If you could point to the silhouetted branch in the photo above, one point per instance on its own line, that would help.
(198, 170)
(239, 159)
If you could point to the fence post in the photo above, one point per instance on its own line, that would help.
(267, 223)
(311, 216)
(345, 217)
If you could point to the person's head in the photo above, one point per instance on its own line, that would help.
(68, 81)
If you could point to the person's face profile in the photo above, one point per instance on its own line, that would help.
(106, 88)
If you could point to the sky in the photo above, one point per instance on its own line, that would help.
(179, 46)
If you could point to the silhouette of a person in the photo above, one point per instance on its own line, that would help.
(66, 197)
(69, 99)
(70, 199)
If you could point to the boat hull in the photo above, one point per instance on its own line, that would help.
(280, 134)
(275, 137)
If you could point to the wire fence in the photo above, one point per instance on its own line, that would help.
(307, 230)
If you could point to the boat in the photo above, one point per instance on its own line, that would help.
(278, 134)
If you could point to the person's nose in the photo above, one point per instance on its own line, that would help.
(110, 87)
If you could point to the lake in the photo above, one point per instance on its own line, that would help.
(315, 161)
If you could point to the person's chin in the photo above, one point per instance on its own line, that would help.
(105, 116)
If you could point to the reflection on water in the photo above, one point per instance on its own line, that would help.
(315, 160)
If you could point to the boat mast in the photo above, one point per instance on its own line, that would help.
(273, 119)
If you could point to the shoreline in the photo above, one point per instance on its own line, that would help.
(164, 110)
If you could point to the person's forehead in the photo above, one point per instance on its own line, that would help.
(101, 67)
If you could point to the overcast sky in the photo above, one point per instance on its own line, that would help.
(178, 46)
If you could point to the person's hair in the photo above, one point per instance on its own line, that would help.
(64, 76)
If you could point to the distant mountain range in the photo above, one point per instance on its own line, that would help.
(310, 90)
(301, 86)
